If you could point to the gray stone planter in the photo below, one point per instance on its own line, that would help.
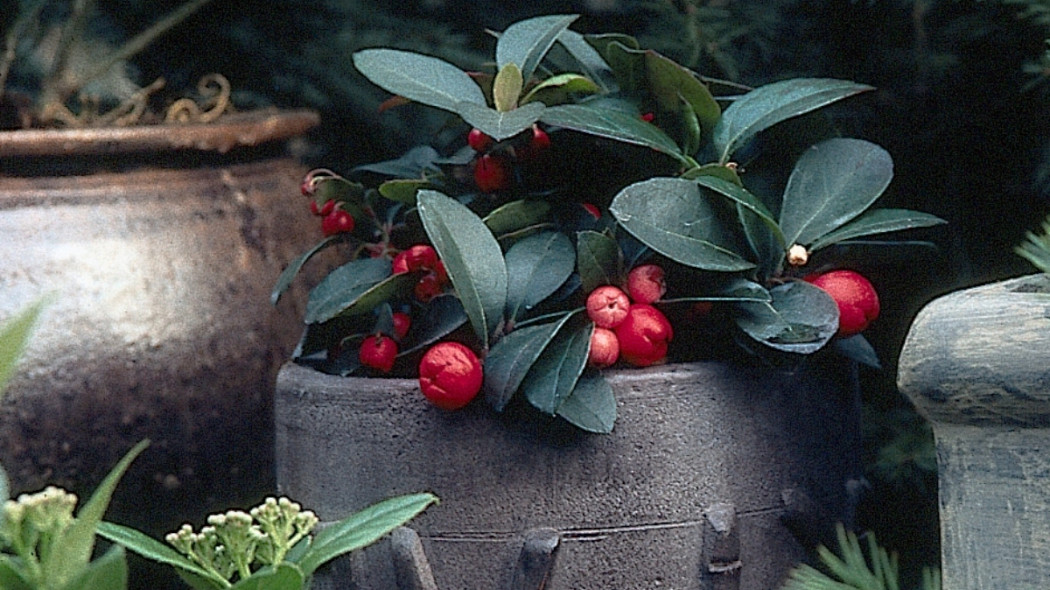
(690, 491)
(976, 364)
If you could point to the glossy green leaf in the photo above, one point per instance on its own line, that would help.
(148, 547)
(343, 287)
(444, 315)
(833, 182)
(598, 260)
(289, 273)
(671, 84)
(591, 406)
(536, 267)
(108, 572)
(403, 190)
(500, 125)
(560, 89)
(626, 60)
(554, 374)
(414, 163)
(284, 576)
(768, 105)
(742, 197)
(673, 217)
(692, 131)
(14, 335)
(877, 221)
(510, 359)
(800, 318)
(591, 62)
(742, 289)
(517, 215)
(526, 42)
(472, 257)
(421, 78)
(71, 551)
(857, 347)
(506, 88)
(626, 127)
(362, 529)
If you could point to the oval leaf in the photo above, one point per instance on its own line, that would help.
(559, 89)
(422, 78)
(444, 315)
(343, 286)
(472, 258)
(673, 217)
(506, 89)
(512, 356)
(536, 267)
(613, 124)
(742, 197)
(877, 221)
(524, 43)
(800, 318)
(768, 105)
(833, 182)
(500, 125)
(672, 84)
(591, 406)
(554, 374)
(598, 260)
(517, 215)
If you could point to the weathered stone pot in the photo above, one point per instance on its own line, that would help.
(158, 247)
(690, 491)
(976, 363)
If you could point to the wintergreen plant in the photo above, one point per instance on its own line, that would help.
(850, 569)
(271, 546)
(1036, 247)
(588, 156)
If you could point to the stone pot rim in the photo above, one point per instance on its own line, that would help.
(242, 129)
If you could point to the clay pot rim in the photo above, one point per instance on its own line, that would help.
(243, 129)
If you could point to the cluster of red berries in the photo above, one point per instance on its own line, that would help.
(423, 257)
(334, 220)
(493, 169)
(627, 325)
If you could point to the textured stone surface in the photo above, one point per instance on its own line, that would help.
(976, 363)
(629, 506)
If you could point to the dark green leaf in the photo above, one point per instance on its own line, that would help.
(472, 257)
(673, 217)
(343, 287)
(288, 274)
(858, 348)
(742, 197)
(560, 89)
(525, 42)
(149, 548)
(591, 406)
(738, 288)
(554, 374)
(403, 190)
(512, 356)
(14, 335)
(768, 105)
(801, 318)
(672, 84)
(517, 215)
(833, 182)
(598, 260)
(536, 267)
(594, 66)
(412, 164)
(877, 221)
(500, 125)
(362, 529)
(285, 576)
(713, 169)
(424, 79)
(627, 62)
(444, 315)
(626, 127)
(71, 551)
(692, 132)
(108, 572)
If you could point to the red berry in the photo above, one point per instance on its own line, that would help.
(540, 140)
(428, 287)
(378, 352)
(450, 375)
(856, 297)
(607, 306)
(644, 335)
(337, 222)
(594, 211)
(418, 257)
(479, 141)
(402, 322)
(648, 117)
(325, 210)
(605, 348)
(491, 173)
(645, 283)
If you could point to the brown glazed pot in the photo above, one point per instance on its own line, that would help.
(158, 247)
(693, 489)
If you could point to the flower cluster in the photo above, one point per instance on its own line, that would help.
(33, 522)
(590, 215)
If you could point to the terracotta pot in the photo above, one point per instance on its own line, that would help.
(691, 490)
(158, 247)
(976, 363)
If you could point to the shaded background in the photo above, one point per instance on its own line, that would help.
(961, 105)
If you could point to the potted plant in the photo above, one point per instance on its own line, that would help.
(974, 364)
(154, 239)
(593, 216)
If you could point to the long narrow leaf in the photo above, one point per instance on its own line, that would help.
(343, 286)
(362, 528)
(109, 572)
(525, 42)
(511, 358)
(288, 274)
(743, 198)
(877, 221)
(14, 335)
(149, 547)
(612, 124)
